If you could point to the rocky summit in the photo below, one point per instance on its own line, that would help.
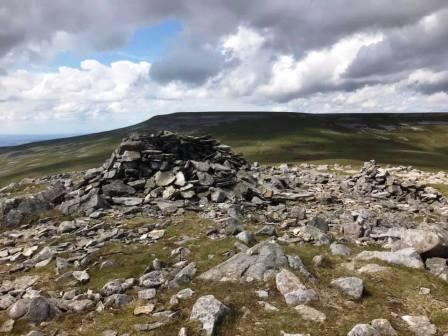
(177, 235)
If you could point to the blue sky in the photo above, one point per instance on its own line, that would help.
(146, 44)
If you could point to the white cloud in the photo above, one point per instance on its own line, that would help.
(439, 98)
(72, 93)
(245, 43)
(107, 96)
(318, 68)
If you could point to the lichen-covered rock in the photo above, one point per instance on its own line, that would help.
(261, 262)
(406, 257)
(363, 330)
(310, 314)
(293, 290)
(37, 309)
(430, 241)
(420, 325)
(208, 310)
(152, 279)
(352, 287)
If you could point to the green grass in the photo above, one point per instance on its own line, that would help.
(315, 139)
(129, 262)
(386, 294)
(420, 140)
(442, 188)
(394, 292)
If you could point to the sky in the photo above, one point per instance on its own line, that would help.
(91, 65)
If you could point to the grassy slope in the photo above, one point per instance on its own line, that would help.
(417, 139)
(319, 138)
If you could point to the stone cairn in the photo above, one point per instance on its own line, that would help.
(379, 183)
(158, 166)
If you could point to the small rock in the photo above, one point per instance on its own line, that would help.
(384, 327)
(363, 330)
(180, 179)
(293, 290)
(437, 267)
(144, 310)
(318, 260)
(319, 223)
(6, 301)
(79, 306)
(112, 287)
(37, 309)
(338, 249)
(81, 276)
(67, 226)
(218, 196)
(129, 156)
(310, 314)
(109, 333)
(35, 333)
(147, 294)
(373, 268)
(267, 230)
(262, 294)
(420, 325)
(351, 286)
(185, 294)
(424, 291)
(246, 237)
(156, 234)
(152, 279)
(268, 307)
(282, 333)
(406, 257)
(164, 179)
(208, 310)
(117, 301)
(150, 326)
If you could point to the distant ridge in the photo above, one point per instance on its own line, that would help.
(419, 139)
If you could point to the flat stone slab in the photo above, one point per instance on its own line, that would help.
(408, 257)
(261, 262)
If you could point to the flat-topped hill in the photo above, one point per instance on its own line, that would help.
(267, 137)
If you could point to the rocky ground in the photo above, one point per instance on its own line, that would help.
(177, 235)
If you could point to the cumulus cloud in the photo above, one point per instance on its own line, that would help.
(422, 44)
(88, 92)
(304, 55)
(319, 70)
(297, 26)
(429, 82)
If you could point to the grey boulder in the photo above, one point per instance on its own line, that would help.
(293, 290)
(352, 287)
(36, 310)
(208, 310)
(408, 257)
(261, 262)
